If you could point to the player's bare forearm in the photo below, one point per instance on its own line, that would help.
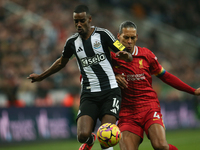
(122, 83)
(55, 67)
(126, 56)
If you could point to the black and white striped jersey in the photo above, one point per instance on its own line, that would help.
(94, 60)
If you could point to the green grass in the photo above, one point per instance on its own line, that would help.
(182, 139)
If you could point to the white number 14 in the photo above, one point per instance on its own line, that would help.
(116, 103)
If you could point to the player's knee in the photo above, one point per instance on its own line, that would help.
(160, 145)
(82, 137)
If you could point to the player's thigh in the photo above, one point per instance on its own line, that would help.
(108, 119)
(85, 125)
(87, 115)
(157, 135)
(110, 105)
(129, 141)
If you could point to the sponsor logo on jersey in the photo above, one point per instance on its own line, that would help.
(134, 77)
(119, 45)
(141, 63)
(97, 45)
(79, 49)
(89, 61)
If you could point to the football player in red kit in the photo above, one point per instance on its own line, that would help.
(140, 109)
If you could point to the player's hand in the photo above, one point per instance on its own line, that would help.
(34, 77)
(126, 56)
(197, 91)
(122, 83)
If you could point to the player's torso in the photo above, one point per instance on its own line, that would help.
(93, 57)
(138, 75)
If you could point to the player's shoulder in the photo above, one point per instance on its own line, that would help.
(72, 37)
(144, 51)
(99, 29)
(103, 31)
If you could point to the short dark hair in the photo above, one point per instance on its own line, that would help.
(127, 24)
(82, 8)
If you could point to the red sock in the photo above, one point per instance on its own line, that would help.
(172, 147)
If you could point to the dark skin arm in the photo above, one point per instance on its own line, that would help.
(55, 67)
(122, 83)
(124, 56)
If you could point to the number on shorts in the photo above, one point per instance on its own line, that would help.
(116, 103)
(156, 115)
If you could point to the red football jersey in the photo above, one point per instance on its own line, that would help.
(139, 95)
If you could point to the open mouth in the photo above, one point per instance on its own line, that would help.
(129, 48)
(79, 30)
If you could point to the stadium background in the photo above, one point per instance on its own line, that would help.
(32, 36)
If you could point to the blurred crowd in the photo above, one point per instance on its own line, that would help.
(33, 37)
(181, 14)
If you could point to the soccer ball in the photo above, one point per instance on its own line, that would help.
(108, 135)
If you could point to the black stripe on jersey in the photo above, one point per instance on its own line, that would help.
(97, 68)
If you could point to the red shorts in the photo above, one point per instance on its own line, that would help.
(140, 122)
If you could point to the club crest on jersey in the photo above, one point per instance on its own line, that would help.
(96, 45)
(141, 63)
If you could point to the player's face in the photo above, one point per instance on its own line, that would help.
(82, 22)
(128, 38)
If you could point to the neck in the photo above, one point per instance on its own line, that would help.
(86, 36)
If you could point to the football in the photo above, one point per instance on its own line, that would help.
(108, 135)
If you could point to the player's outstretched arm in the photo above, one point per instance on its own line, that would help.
(124, 56)
(55, 67)
(175, 82)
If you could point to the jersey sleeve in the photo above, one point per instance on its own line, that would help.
(155, 67)
(68, 50)
(175, 82)
(111, 41)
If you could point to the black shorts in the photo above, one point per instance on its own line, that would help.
(98, 104)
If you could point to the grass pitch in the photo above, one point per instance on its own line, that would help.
(182, 139)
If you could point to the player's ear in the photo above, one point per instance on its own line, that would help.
(137, 37)
(118, 35)
(90, 19)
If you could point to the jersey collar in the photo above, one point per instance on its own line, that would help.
(135, 51)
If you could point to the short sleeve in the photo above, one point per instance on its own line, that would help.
(68, 49)
(155, 67)
(111, 41)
